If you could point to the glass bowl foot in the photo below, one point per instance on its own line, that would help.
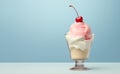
(79, 68)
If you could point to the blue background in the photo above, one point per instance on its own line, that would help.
(33, 30)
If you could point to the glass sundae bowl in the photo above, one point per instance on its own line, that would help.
(79, 51)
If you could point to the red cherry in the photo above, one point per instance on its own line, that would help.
(79, 19)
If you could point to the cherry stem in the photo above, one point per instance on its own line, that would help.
(74, 9)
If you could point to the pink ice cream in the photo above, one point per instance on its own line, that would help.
(80, 29)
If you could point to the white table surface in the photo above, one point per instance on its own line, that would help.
(58, 68)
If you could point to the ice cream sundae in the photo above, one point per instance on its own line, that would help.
(79, 39)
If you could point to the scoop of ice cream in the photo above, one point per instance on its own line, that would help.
(79, 36)
(79, 42)
(80, 29)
